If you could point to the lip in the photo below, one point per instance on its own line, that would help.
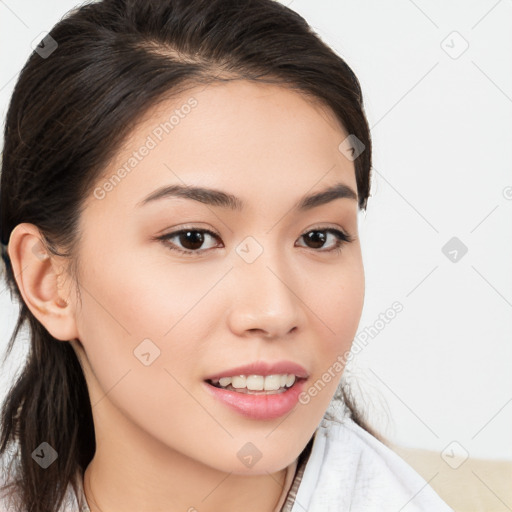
(259, 406)
(263, 368)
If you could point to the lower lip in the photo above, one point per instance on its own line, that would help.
(259, 406)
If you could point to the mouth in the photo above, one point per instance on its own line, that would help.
(261, 403)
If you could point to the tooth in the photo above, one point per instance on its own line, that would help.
(272, 382)
(255, 382)
(238, 381)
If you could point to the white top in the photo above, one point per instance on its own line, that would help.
(348, 470)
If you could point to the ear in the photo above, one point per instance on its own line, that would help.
(43, 282)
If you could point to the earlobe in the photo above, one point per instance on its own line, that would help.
(38, 274)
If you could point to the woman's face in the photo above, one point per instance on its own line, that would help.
(266, 286)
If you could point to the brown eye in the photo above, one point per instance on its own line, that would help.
(317, 238)
(191, 240)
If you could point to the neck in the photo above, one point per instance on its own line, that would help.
(189, 492)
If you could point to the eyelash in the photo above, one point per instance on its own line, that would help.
(342, 239)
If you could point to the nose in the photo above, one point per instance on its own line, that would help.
(267, 297)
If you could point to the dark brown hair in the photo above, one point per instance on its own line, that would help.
(70, 112)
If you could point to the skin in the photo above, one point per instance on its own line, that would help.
(163, 443)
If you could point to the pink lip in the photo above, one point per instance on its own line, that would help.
(259, 406)
(264, 369)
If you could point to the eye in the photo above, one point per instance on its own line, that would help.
(192, 239)
(341, 238)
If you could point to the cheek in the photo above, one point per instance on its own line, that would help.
(137, 310)
(126, 312)
(338, 307)
(140, 297)
(344, 306)
(338, 303)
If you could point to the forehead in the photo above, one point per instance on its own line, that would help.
(253, 139)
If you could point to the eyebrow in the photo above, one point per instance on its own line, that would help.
(222, 199)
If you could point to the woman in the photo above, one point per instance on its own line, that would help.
(179, 196)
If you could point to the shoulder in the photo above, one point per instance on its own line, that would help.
(349, 469)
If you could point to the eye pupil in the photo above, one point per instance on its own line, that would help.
(312, 236)
(196, 240)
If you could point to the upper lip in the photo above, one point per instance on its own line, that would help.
(264, 369)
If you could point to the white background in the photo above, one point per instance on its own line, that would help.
(442, 133)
